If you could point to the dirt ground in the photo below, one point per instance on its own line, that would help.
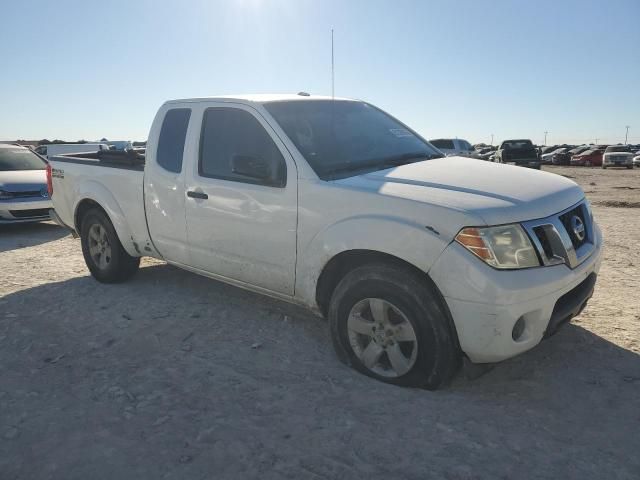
(174, 376)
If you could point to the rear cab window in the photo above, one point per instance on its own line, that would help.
(172, 138)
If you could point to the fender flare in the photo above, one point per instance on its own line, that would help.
(416, 244)
(95, 191)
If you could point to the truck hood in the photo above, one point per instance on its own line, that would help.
(494, 193)
(23, 180)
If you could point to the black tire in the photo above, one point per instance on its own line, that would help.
(119, 265)
(438, 355)
(629, 167)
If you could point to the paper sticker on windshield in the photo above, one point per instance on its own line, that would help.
(401, 132)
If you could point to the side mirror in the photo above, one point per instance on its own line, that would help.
(251, 167)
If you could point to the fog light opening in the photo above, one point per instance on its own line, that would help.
(518, 329)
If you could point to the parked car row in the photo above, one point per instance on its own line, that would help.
(593, 155)
(520, 152)
(524, 153)
(455, 146)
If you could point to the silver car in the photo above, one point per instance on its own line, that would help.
(23, 186)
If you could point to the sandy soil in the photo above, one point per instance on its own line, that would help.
(180, 377)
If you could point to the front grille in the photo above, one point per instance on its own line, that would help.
(557, 238)
(566, 220)
(618, 158)
(544, 241)
(32, 213)
(26, 194)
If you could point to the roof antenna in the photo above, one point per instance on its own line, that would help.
(332, 69)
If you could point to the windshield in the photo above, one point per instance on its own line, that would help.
(19, 159)
(345, 138)
(466, 146)
(517, 144)
(619, 148)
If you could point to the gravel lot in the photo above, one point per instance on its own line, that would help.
(176, 376)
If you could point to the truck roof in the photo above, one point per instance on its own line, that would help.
(260, 98)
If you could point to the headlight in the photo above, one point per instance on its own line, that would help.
(505, 247)
(5, 195)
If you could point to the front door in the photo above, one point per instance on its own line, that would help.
(241, 199)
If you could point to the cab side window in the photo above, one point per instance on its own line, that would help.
(234, 146)
(172, 138)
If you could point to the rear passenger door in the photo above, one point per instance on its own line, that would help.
(241, 199)
(164, 183)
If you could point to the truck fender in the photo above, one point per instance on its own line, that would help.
(415, 243)
(93, 190)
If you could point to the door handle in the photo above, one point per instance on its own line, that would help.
(200, 195)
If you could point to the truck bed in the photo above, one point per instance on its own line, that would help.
(131, 159)
(115, 181)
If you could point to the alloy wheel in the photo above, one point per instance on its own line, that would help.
(382, 337)
(99, 246)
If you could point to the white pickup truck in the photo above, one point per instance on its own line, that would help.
(417, 261)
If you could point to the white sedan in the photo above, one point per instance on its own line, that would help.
(23, 186)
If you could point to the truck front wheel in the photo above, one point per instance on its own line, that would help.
(390, 324)
(103, 253)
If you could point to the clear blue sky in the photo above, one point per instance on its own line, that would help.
(88, 69)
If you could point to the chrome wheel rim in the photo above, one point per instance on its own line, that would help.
(99, 246)
(382, 337)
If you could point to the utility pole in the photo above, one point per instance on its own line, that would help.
(545, 138)
(492, 139)
(333, 89)
(626, 135)
(596, 141)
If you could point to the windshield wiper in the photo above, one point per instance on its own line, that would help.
(406, 158)
(386, 162)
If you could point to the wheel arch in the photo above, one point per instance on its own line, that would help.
(98, 197)
(81, 209)
(344, 262)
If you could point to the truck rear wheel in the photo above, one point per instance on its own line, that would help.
(390, 324)
(103, 253)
